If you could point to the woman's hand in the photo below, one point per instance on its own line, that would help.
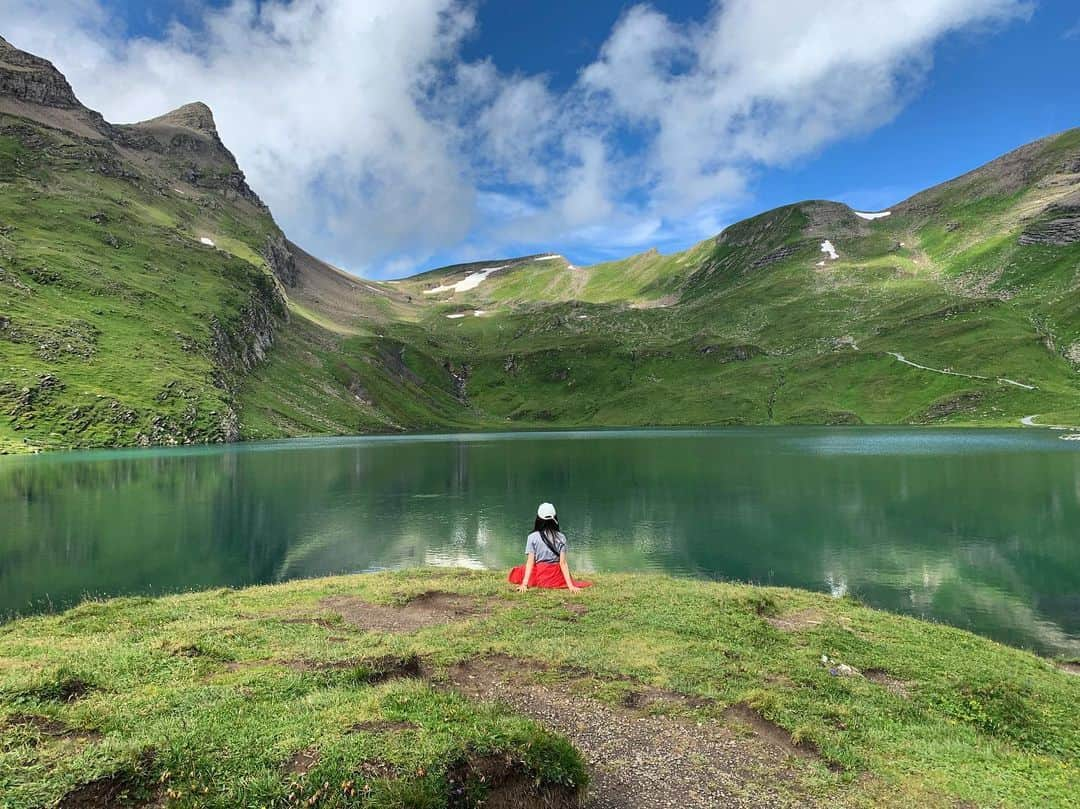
(521, 588)
(573, 588)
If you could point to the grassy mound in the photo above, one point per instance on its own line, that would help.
(343, 692)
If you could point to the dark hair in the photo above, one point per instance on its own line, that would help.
(548, 528)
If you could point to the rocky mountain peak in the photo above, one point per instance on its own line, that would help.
(33, 80)
(195, 115)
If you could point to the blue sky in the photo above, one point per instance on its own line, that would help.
(414, 133)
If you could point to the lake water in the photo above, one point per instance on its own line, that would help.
(976, 528)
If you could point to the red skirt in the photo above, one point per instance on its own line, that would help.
(545, 574)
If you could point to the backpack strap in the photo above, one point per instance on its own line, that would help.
(550, 545)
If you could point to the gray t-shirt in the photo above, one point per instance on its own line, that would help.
(540, 551)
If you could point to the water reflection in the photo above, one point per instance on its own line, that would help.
(975, 528)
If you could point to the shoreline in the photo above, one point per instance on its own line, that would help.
(302, 441)
(362, 681)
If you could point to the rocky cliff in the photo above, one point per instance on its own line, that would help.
(164, 272)
(34, 80)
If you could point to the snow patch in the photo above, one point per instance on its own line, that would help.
(207, 242)
(480, 313)
(470, 281)
(872, 216)
(827, 247)
(550, 257)
(821, 264)
(455, 317)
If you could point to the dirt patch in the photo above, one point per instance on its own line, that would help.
(798, 621)
(479, 677)
(427, 609)
(475, 677)
(244, 665)
(381, 726)
(887, 681)
(302, 762)
(390, 668)
(62, 689)
(314, 621)
(196, 650)
(636, 759)
(369, 670)
(576, 609)
(1070, 668)
(648, 697)
(497, 782)
(770, 731)
(52, 728)
(124, 788)
(109, 792)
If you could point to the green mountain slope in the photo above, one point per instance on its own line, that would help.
(974, 280)
(135, 271)
(147, 296)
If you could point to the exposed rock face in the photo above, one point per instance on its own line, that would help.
(1061, 225)
(39, 109)
(280, 259)
(32, 79)
(195, 116)
(242, 344)
(827, 220)
(188, 140)
(729, 353)
(1065, 230)
(460, 376)
(776, 255)
(239, 346)
(1008, 174)
(760, 229)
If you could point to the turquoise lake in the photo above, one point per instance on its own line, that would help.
(975, 528)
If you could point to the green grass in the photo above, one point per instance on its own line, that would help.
(202, 695)
(107, 292)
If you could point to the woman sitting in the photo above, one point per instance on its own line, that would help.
(545, 556)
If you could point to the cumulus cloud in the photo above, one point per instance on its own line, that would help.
(377, 145)
(760, 82)
(320, 101)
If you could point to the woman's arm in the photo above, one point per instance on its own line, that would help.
(565, 566)
(529, 560)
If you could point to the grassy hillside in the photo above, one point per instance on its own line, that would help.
(974, 281)
(147, 296)
(376, 691)
(136, 272)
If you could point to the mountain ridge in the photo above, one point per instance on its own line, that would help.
(148, 297)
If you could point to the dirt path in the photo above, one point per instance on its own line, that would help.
(638, 758)
(642, 761)
(1029, 421)
(1005, 380)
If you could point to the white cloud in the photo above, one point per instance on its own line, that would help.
(320, 102)
(762, 82)
(376, 145)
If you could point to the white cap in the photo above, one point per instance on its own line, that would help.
(546, 511)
